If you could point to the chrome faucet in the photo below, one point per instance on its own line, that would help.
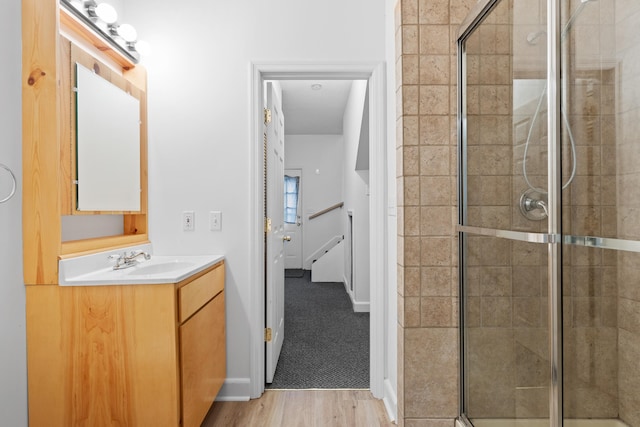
(125, 260)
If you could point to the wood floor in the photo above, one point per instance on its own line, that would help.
(301, 408)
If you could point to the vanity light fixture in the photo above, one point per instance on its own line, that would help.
(103, 11)
(125, 31)
(102, 19)
(143, 48)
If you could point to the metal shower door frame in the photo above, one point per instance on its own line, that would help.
(553, 237)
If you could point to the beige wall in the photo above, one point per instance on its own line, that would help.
(427, 243)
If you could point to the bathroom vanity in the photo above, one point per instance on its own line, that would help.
(127, 354)
(136, 346)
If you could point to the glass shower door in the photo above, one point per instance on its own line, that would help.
(601, 213)
(504, 230)
(549, 221)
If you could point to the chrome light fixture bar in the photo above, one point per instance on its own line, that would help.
(102, 19)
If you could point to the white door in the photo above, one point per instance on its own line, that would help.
(293, 225)
(275, 237)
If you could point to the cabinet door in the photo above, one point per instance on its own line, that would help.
(203, 360)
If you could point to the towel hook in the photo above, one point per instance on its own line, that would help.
(13, 183)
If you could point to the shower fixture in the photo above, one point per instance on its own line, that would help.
(532, 205)
(528, 141)
(534, 36)
(573, 17)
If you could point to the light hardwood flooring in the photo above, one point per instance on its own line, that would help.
(302, 408)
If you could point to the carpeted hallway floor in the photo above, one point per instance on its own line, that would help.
(326, 344)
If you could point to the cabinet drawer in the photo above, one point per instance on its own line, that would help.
(195, 294)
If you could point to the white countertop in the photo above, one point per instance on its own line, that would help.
(97, 269)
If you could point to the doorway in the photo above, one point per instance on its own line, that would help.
(326, 326)
(293, 219)
(373, 73)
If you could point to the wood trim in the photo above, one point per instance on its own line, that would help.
(48, 153)
(326, 210)
(77, 27)
(135, 224)
(41, 223)
(133, 82)
(67, 130)
(75, 247)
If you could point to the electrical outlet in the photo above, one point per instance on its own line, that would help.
(215, 220)
(188, 221)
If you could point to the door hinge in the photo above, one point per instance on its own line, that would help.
(267, 116)
(267, 225)
(267, 334)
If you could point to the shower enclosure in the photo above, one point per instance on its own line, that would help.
(549, 213)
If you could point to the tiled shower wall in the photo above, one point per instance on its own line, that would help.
(427, 246)
(627, 145)
(590, 204)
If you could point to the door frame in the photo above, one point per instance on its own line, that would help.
(374, 73)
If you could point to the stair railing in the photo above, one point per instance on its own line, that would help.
(324, 211)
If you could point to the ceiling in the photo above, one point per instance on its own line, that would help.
(310, 111)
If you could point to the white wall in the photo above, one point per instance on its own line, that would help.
(391, 306)
(356, 192)
(13, 359)
(199, 139)
(199, 120)
(319, 190)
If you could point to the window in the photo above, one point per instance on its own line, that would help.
(291, 184)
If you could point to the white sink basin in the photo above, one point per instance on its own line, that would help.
(160, 267)
(97, 269)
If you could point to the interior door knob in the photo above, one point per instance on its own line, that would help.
(287, 238)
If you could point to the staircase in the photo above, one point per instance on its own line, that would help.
(329, 267)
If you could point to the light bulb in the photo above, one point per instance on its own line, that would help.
(107, 13)
(143, 48)
(127, 32)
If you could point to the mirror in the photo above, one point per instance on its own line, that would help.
(107, 144)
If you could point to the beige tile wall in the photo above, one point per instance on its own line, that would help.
(591, 206)
(627, 115)
(427, 244)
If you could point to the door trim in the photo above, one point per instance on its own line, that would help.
(374, 73)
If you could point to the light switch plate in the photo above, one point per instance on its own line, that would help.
(188, 221)
(215, 220)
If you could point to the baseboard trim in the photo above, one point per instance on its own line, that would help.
(361, 307)
(235, 390)
(390, 400)
(358, 307)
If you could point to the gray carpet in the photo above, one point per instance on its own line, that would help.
(326, 344)
(294, 272)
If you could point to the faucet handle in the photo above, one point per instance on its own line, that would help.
(114, 256)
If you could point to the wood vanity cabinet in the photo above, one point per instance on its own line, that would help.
(126, 355)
